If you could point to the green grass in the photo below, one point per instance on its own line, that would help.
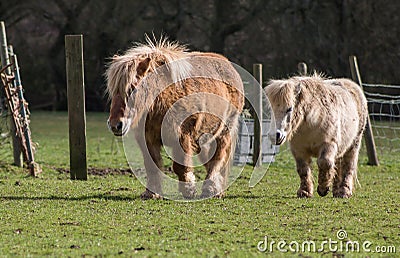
(104, 216)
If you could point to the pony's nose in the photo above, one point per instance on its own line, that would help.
(280, 137)
(116, 128)
(119, 126)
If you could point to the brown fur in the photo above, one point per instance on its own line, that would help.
(327, 121)
(155, 107)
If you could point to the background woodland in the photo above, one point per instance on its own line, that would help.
(276, 33)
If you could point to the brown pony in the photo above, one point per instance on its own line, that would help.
(324, 119)
(189, 101)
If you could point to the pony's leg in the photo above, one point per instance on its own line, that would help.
(183, 167)
(338, 177)
(306, 179)
(152, 163)
(344, 187)
(226, 169)
(217, 169)
(326, 167)
(204, 157)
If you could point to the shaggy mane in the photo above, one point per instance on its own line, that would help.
(283, 91)
(122, 68)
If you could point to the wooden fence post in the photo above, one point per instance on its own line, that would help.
(257, 116)
(76, 106)
(368, 134)
(5, 60)
(302, 68)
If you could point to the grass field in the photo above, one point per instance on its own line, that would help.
(104, 216)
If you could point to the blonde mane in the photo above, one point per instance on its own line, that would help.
(121, 70)
(285, 91)
(296, 91)
(281, 91)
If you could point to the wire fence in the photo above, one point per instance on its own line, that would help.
(384, 110)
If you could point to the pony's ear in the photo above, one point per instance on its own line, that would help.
(143, 67)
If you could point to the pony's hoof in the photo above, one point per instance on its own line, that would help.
(304, 194)
(322, 191)
(146, 195)
(206, 195)
(342, 193)
(210, 189)
(188, 191)
(220, 195)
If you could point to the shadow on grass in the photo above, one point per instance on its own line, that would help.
(243, 196)
(112, 198)
(67, 198)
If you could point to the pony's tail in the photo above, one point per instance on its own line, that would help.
(234, 132)
(356, 179)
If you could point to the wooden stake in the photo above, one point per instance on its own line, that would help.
(257, 116)
(368, 134)
(76, 106)
(302, 68)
